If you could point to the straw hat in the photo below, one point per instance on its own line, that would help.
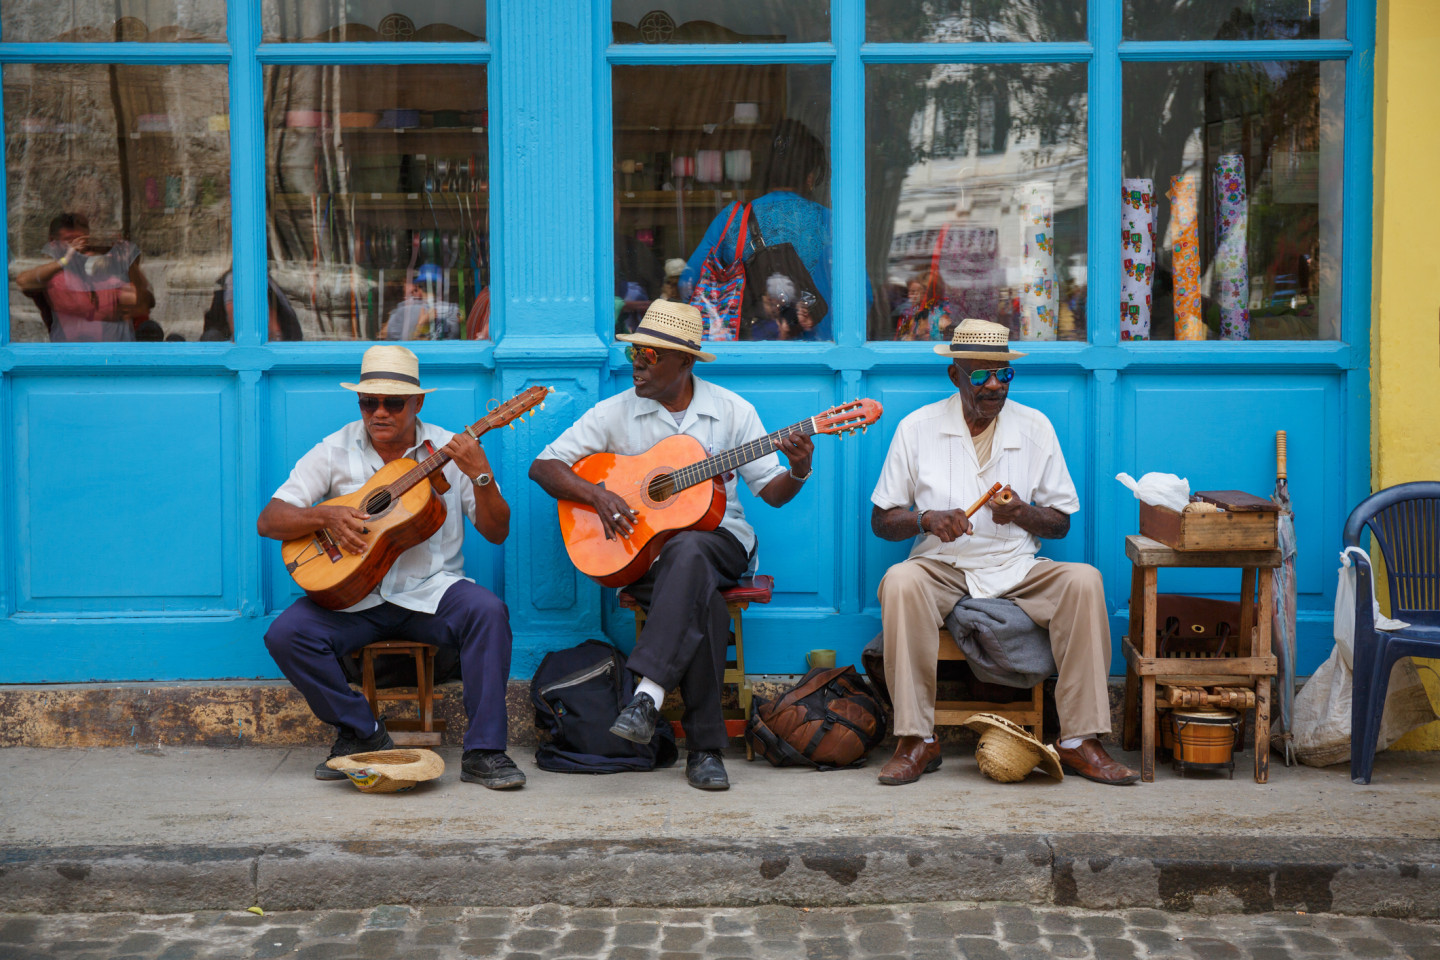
(1008, 753)
(670, 326)
(674, 267)
(979, 340)
(388, 371)
(388, 771)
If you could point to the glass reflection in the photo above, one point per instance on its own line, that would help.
(721, 21)
(1234, 19)
(365, 21)
(118, 181)
(950, 21)
(975, 199)
(378, 185)
(694, 146)
(1243, 161)
(108, 21)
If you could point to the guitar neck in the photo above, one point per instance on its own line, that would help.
(429, 465)
(711, 467)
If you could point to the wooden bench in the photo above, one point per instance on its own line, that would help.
(1029, 714)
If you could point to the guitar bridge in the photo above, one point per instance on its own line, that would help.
(324, 541)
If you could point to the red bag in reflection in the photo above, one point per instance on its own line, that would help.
(721, 287)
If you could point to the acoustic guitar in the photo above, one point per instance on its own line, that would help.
(405, 509)
(673, 486)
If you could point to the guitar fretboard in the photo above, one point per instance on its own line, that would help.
(710, 467)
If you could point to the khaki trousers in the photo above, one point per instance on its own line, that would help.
(1068, 599)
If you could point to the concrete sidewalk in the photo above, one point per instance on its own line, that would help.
(191, 828)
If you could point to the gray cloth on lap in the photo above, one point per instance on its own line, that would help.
(1000, 642)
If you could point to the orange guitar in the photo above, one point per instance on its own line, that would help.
(671, 487)
(405, 509)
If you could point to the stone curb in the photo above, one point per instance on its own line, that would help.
(1208, 875)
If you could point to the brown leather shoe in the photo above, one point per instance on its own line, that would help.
(913, 756)
(1089, 760)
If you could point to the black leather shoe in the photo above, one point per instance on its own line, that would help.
(704, 770)
(491, 768)
(637, 721)
(346, 744)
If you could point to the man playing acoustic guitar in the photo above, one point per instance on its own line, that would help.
(687, 627)
(424, 597)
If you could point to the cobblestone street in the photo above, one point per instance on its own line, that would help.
(938, 930)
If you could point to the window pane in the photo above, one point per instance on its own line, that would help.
(721, 21)
(1242, 163)
(100, 21)
(119, 192)
(332, 21)
(1235, 20)
(691, 145)
(975, 182)
(379, 186)
(948, 21)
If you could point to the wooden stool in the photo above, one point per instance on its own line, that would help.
(1030, 715)
(737, 599)
(1144, 667)
(422, 730)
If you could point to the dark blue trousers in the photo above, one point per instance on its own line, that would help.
(306, 639)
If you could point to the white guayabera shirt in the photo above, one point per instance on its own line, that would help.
(341, 463)
(932, 465)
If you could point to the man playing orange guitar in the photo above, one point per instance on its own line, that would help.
(687, 626)
(425, 596)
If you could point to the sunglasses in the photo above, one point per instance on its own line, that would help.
(647, 354)
(392, 404)
(979, 378)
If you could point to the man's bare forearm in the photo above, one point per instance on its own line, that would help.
(1047, 523)
(897, 523)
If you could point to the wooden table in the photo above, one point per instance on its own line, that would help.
(1146, 557)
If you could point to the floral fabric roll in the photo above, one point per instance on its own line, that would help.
(1185, 258)
(1039, 295)
(1232, 265)
(1137, 255)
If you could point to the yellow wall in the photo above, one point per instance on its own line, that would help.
(1405, 338)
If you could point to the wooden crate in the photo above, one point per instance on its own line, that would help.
(1247, 523)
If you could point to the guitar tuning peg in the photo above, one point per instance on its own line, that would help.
(542, 404)
(512, 424)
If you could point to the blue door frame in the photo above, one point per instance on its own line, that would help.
(128, 541)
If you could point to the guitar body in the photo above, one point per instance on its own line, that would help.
(617, 563)
(336, 579)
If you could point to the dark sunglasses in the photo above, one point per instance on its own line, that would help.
(981, 377)
(648, 354)
(392, 404)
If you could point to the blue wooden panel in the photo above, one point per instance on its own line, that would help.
(125, 494)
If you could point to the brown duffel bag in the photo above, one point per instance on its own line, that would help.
(829, 720)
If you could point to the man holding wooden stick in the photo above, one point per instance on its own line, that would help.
(944, 458)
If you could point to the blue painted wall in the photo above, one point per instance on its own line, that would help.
(131, 474)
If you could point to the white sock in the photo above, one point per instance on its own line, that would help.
(651, 689)
(929, 739)
(1070, 743)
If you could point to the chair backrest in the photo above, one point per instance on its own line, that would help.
(1405, 520)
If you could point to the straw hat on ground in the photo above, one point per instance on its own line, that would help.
(389, 771)
(670, 326)
(1008, 753)
(979, 340)
(388, 371)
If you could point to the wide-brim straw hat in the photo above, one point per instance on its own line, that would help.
(669, 325)
(388, 371)
(979, 340)
(1007, 752)
(389, 771)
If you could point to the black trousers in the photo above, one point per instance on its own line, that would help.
(687, 628)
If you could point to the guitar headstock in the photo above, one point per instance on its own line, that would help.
(516, 407)
(848, 417)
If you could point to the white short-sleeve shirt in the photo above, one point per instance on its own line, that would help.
(720, 419)
(341, 463)
(931, 465)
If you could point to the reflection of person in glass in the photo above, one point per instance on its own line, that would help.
(926, 313)
(92, 289)
(784, 215)
(422, 315)
(781, 305)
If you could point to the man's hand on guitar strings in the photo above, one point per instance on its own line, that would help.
(615, 514)
(346, 526)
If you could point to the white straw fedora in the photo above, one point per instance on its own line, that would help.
(1007, 752)
(979, 340)
(669, 325)
(388, 371)
(389, 771)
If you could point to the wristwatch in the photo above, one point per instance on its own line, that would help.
(481, 479)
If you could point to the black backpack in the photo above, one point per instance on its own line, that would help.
(577, 694)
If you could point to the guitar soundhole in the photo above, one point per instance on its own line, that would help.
(661, 488)
(379, 502)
